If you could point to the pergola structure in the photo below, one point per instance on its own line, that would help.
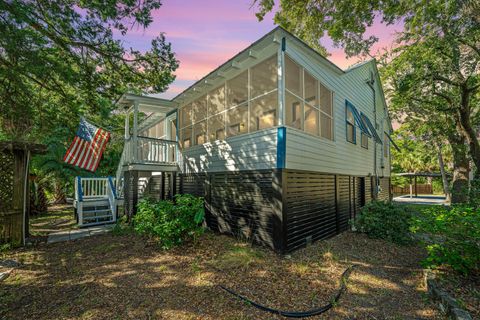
(413, 176)
(14, 191)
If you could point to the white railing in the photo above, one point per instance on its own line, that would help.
(112, 197)
(119, 176)
(92, 187)
(157, 151)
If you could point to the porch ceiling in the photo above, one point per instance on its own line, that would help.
(156, 108)
(147, 104)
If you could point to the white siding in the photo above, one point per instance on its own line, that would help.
(306, 152)
(253, 151)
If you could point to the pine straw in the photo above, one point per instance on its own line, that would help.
(122, 277)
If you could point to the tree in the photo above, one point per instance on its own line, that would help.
(63, 59)
(439, 49)
(59, 59)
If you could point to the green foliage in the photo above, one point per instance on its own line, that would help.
(60, 60)
(170, 222)
(454, 236)
(384, 220)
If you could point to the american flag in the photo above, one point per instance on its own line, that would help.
(87, 147)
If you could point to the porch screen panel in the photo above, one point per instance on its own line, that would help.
(237, 89)
(237, 120)
(186, 137)
(216, 127)
(293, 77)
(216, 100)
(263, 77)
(263, 112)
(326, 112)
(199, 109)
(294, 111)
(200, 133)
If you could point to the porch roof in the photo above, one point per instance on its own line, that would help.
(156, 108)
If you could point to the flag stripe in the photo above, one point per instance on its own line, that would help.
(104, 141)
(87, 147)
(103, 149)
(72, 149)
(75, 150)
(88, 151)
(94, 155)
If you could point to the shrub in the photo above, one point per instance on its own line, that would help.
(383, 220)
(454, 237)
(170, 223)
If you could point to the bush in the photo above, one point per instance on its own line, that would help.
(388, 221)
(454, 237)
(170, 223)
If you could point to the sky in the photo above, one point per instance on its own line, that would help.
(204, 34)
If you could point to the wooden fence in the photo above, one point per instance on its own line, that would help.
(421, 189)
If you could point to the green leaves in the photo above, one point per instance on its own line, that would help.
(453, 237)
(386, 221)
(170, 223)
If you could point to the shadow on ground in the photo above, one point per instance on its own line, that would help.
(126, 277)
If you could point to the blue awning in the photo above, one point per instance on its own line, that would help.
(358, 119)
(372, 128)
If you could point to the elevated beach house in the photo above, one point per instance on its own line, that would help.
(284, 146)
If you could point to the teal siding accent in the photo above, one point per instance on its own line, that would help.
(281, 147)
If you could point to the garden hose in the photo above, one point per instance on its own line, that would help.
(304, 314)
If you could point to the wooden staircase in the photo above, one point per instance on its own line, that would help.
(95, 201)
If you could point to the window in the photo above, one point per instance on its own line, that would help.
(293, 77)
(263, 77)
(216, 100)
(200, 133)
(263, 112)
(350, 120)
(326, 112)
(364, 141)
(294, 111)
(386, 145)
(216, 127)
(237, 89)
(237, 120)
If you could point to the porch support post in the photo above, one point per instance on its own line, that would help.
(127, 125)
(135, 132)
(281, 82)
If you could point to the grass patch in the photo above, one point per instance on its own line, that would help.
(239, 256)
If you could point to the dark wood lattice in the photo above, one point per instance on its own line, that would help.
(6, 180)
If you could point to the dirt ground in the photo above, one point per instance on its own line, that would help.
(57, 218)
(125, 277)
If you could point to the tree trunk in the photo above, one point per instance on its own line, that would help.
(467, 130)
(460, 169)
(444, 174)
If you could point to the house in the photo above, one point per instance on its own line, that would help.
(284, 146)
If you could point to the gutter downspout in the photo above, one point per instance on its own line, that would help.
(370, 83)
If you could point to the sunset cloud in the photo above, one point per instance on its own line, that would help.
(205, 34)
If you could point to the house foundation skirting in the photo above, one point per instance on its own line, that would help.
(282, 209)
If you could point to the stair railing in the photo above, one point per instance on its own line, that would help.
(112, 198)
(119, 181)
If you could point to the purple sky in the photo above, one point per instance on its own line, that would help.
(206, 33)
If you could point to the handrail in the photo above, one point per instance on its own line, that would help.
(79, 189)
(112, 197)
